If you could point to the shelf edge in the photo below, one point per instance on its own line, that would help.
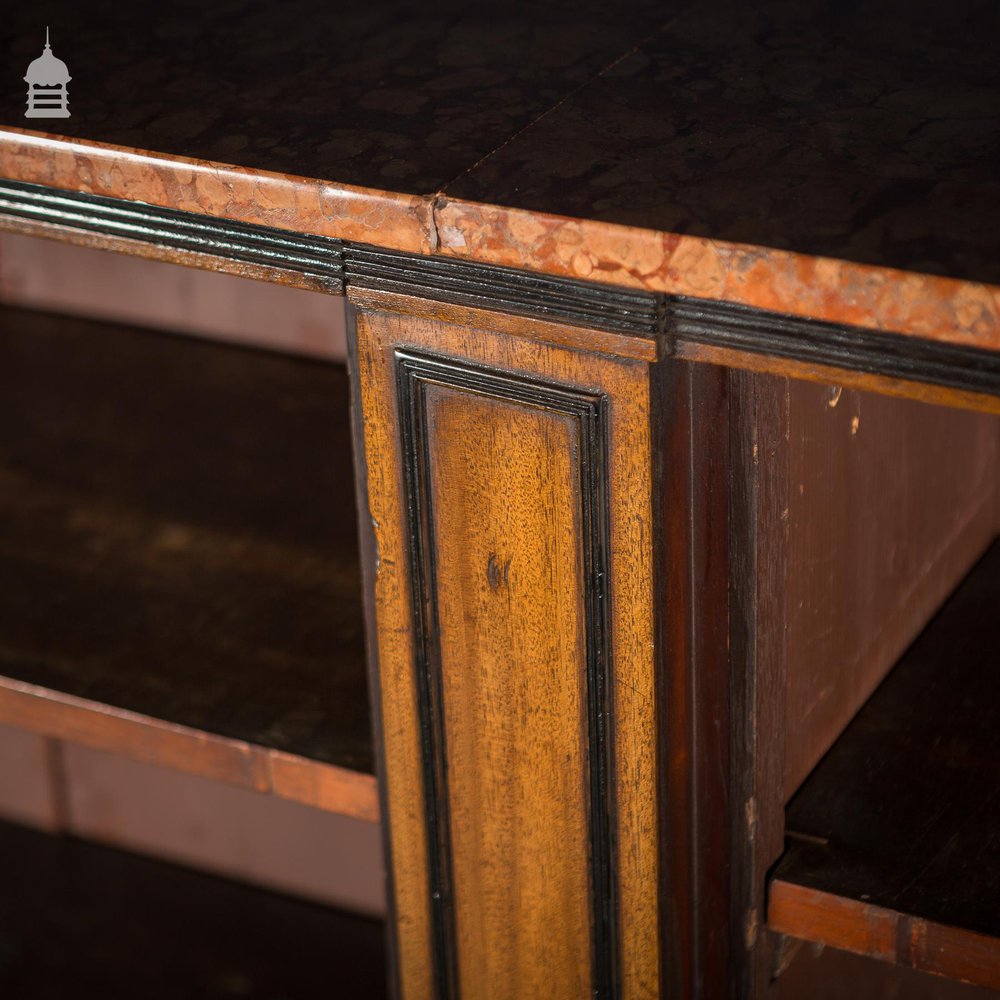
(881, 933)
(181, 748)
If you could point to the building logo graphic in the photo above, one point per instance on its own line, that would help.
(47, 78)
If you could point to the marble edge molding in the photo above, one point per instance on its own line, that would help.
(238, 194)
(883, 299)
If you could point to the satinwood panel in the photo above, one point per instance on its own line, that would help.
(510, 497)
(504, 495)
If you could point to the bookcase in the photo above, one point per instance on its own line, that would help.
(635, 570)
(169, 600)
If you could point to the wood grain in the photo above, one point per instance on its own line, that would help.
(179, 556)
(490, 730)
(758, 544)
(885, 934)
(689, 421)
(889, 502)
(505, 506)
(893, 838)
(545, 331)
(832, 974)
(391, 662)
(843, 377)
(853, 516)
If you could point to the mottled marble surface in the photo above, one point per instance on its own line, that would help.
(300, 204)
(385, 94)
(866, 131)
(836, 161)
(822, 288)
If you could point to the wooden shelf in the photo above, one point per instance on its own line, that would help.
(894, 840)
(77, 919)
(178, 557)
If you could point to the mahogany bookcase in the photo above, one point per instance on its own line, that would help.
(653, 515)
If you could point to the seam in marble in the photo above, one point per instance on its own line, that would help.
(440, 196)
(439, 199)
(433, 239)
(568, 96)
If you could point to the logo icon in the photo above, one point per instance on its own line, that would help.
(47, 77)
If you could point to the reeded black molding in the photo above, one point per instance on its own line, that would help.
(316, 256)
(414, 372)
(338, 263)
(504, 289)
(743, 328)
(660, 318)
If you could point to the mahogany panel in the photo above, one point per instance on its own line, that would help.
(853, 516)
(758, 554)
(692, 472)
(888, 504)
(893, 840)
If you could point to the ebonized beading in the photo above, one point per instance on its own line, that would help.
(312, 255)
(415, 370)
(670, 320)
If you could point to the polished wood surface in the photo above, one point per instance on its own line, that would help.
(830, 375)
(889, 502)
(180, 557)
(616, 345)
(504, 494)
(853, 516)
(830, 974)
(81, 920)
(617, 605)
(689, 419)
(893, 847)
(757, 546)
(508, 643)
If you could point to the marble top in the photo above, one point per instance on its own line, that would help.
(399, 96)
(838, 161)
(870, 133)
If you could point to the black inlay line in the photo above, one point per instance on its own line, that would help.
(662, 319)
(724, 324)
(621, 308)
(315, 256)
(415, 371)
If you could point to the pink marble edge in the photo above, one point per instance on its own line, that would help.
(821, 288)
(299, 204)
(881, 298)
